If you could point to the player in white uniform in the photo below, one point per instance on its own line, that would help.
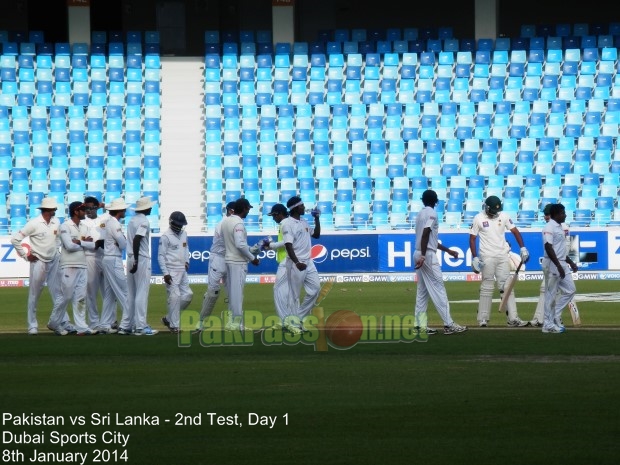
(217, 269)
(279, 213)
(537, 319)
(558, 267)
(43, 255)
(139, 266)
(173, 259)
(75, 241)
(96, 281)
(237, 256)
(430, 279)
(115, 243)
(493, 261)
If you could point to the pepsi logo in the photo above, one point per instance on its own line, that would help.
(318, 253)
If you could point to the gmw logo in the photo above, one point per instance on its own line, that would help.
(319, 253)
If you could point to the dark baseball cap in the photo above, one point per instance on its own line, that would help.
(241, 204)
(278, 208)
(230, 206)
(547, 209)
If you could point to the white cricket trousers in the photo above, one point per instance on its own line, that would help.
(430, 284)
(495, 271)
(40, 272)
(73, 284)
(287, 289)
(556, 301)
(138, 285)
(179, 296)
(96, 283)
(115, 292)
(234, 287)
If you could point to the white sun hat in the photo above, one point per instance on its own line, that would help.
(144, 203)
(117, 204)
(48, 203)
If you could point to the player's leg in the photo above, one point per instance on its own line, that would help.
(567, 290)
(80, 284)
(35, 287)
(236, 278)
(108, 305)
(421, 297)
(502, 273)
(487, 286)
(282, 292)
(217, 271)
(92, 289)
(117, 281)
(539, 314)
(57, 321)
(552, 283)
(436, 288)
(142, 283)
(312, 287)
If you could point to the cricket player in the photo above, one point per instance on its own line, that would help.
(493, 261)
(217, 269)
(237, 256)
(139, 266)
(430, 279)
(43, 255)
(173, 259)
(115, 292)
(73, 273)
(537, 319)
(94, 257)
(557, 266)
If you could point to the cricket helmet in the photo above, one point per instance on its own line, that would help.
(492, 206)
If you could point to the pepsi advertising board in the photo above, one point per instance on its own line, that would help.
(393, 252)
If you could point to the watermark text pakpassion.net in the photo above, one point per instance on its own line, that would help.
(267, 330)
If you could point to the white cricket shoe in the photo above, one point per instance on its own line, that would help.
(483, 323)
(453, 329)
(517, 323)
(535, 323)
(555, 329)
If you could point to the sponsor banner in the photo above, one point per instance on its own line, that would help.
(593, 250)
(11, 264)
(587, 247)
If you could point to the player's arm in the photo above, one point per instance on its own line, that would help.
(472, 245)
(291, 254)
(18, 237)
(316, 233)
(241, 243)
(523, 252)
(452, 253)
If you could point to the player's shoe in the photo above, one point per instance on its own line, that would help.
(427, 330)
(174, 330)
(559, 323)
(115, 325)
(87, 332)
(106, 330)
(33, 331)
(61, 332)
(517, 323)
(146, 331)
(535, 323)
(293, 329)
(124, 332)
(555, 329)
(165, 322)
(453, 329)
(71, 329)
(483, 323)
(232, 325)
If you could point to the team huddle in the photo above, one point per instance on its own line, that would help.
(492, 259)
(83, 257)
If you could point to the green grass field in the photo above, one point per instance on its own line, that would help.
(489, 396)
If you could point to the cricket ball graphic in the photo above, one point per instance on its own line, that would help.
(344, 328)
